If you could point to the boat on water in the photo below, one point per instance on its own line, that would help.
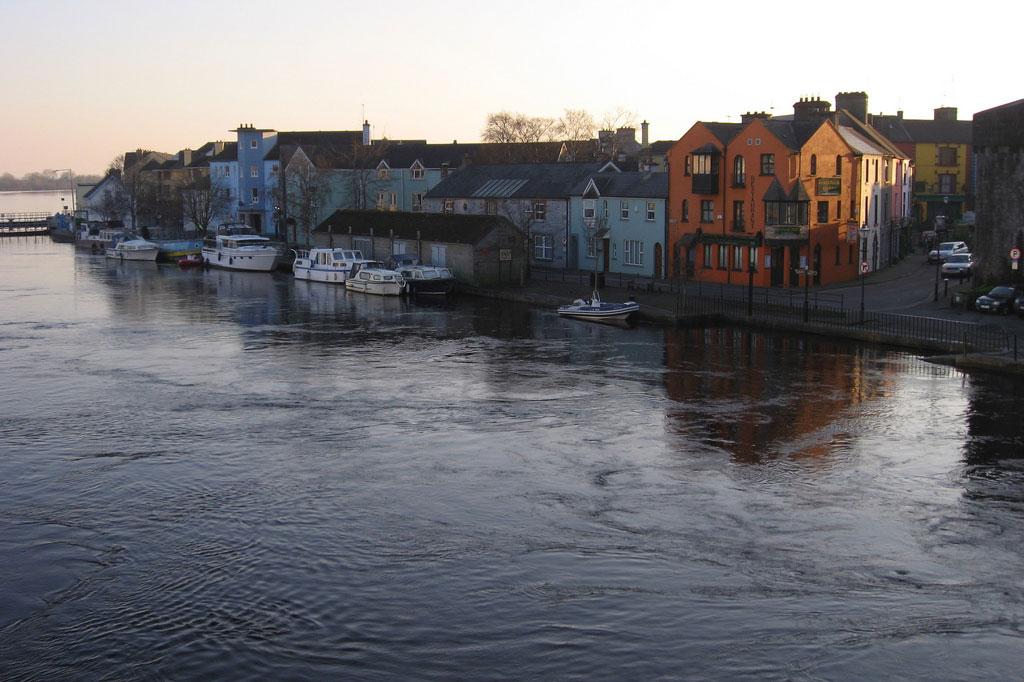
(174, 249)
(419, 278)
(371, 277)
(238, 247)
(598, 310)
(95, 239)
(326, 265)
(190, 261)
(130, 247)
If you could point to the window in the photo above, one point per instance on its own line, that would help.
(791, 213)
(254, 171)
(417, 201)
(737, 257)
(754, 251)
(947, 156)
(839, 164)
(686, 211)
(227, 171)
(739, 172)
(255, 196)
(707, 255)
(634, 252)
(689, 165)
(707, 210)
(449, 206)
(624, 210)
(398, 247)
(383, 173)
(767, 164)
(417, 172)
(491, 207)
(947, 183)
(382, 198)
(605, 203)
(650, 210)
(822, 211)
(739, 222)
(589, 209)
(723, 257)
(814, 164)
(539, 210)
(704, 164)
(543, 247)
(591, 247)
(252, 144)
(394, 200)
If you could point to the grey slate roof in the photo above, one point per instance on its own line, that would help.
(634, 185)
(541, 181)
(461, 229)
(954, 132)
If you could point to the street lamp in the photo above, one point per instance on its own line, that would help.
(938, 253)
(864, 232)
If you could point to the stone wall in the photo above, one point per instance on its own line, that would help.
(998, 136)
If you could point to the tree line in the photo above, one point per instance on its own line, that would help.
(31, 182)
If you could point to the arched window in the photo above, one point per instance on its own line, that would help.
(814, 164)
(739, 171)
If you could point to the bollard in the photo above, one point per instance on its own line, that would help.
(945, 291)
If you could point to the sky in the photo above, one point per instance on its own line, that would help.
(85, 82)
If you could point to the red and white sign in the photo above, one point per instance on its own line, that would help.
(864, 267)
(1015, 253)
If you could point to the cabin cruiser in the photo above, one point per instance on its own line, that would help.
(238, 247)
(419, 278)
(326, 265)
(371, 277)
(94, 238)
(130, 247)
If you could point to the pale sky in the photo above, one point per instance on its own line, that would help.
(85, 81)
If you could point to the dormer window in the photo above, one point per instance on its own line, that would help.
(417, 171)
(383, 172)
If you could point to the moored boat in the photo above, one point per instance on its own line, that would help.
(326, 265)
(371, 277)
(130, 247)
(596, 309)
(236, 247)
(419, 278)
(95, 239)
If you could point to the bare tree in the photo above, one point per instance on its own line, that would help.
(307, 192)
(134, 194)
(576, 128)
(360, 171)
(619, 117)
(520, 212)
(520, 136)
(204, 198)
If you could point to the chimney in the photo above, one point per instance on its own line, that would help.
(753, 116)
(899, 115)
(644, 139)
(810, 109)
(854, 102)
(366, 132)
(186, 157)
(945, 114)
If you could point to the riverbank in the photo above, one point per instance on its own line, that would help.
(669, 308)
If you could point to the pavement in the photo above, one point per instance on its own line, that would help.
(907, 287)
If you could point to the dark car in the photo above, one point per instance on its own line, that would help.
(999, 300)
(1018, 305)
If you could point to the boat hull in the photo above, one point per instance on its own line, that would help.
(605, 312)
(134, 254)
(259, 260)
(429, 287)
(314, 274)
(173, 249)
(376, 288)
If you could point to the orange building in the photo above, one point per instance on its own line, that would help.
(767, 200)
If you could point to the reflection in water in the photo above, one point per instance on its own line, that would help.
(234, 475)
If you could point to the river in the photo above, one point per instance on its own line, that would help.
(216, 475)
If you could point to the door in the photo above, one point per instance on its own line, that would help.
(657, 261)
(438, 255)
(605, 254)
(794, 263)
(778, 266)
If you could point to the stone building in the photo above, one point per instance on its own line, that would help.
(999, 148)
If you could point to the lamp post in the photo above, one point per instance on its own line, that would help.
(938, 253)
(864, 232)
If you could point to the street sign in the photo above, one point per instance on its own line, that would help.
(1015, 253)
(864, 267)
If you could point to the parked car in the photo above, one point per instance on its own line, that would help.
(958, 265)
(1018, 305)
(999, 300)
(945, 250)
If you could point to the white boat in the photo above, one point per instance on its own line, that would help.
(130, 247)
(236, 247)
(95, 239)
(419, 278)
(371, 277)
(596, 309)
(326, 265)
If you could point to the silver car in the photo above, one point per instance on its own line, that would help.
(958, 265)
(945, 250)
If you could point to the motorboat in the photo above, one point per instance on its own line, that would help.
(596, 309)
(371, 277)
(190, 261)
(95, 239)
(419, 278)
(130, 247)
(237, 247)
(326, 265)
